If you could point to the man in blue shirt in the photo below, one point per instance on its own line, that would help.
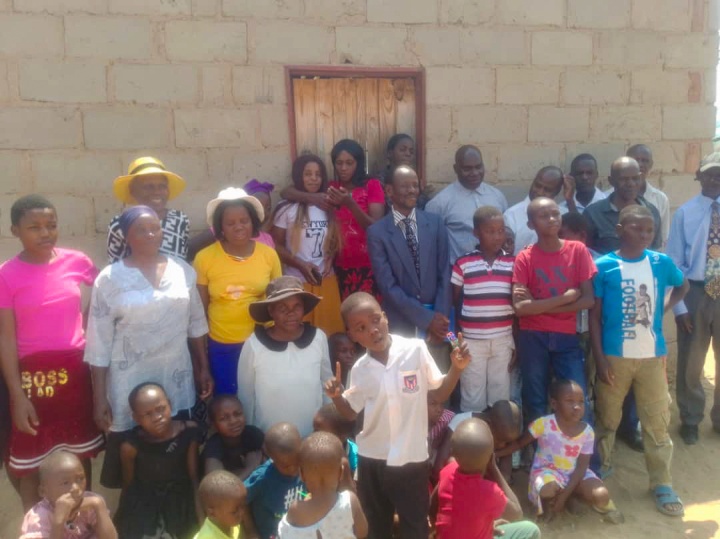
(629, 347)
(694, 245)
(456, 204)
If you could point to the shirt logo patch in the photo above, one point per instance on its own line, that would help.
(410, 384)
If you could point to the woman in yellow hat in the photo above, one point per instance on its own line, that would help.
(149, 183)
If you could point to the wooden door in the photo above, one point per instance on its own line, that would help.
(366, 109)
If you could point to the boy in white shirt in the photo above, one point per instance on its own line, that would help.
(391, 382)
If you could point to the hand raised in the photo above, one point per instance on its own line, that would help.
(333, 387)
(460, 356)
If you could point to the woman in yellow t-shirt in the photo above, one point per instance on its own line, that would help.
(232, 273)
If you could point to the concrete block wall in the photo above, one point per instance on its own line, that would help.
(87, 85)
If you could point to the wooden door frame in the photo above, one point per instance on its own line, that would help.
(349, 71)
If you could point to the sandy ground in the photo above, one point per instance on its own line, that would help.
(696, 473)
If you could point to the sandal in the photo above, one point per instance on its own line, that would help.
(664, 496)
(610, 513)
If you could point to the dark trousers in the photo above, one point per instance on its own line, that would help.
(692, 348)
(384, 490)
(543, 356)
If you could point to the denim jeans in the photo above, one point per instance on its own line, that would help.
(545, 355)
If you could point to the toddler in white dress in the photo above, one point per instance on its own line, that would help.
(324, 512)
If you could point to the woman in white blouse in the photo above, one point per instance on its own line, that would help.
(144, 311)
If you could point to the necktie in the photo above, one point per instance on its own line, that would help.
(412, 243)
(712, 261)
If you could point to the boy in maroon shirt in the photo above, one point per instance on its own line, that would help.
(552, 281)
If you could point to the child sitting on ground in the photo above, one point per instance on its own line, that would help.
(391, 383)
(67, 510)
(223, 498)
(276, 483)
(325, 512)
(472, 493)
(561, 465)
(482, 294)
(505, 422)
(328, 419)
(343, 350)
(439, 419)
(236, 446)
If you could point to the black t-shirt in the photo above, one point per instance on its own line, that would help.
(233, 458)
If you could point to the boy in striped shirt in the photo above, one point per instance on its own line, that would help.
(482, 294)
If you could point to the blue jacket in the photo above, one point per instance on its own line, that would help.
(403, 295)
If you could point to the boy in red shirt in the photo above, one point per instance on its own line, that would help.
(472, 493)
(552, 281)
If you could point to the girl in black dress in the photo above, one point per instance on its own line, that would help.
(160, 471)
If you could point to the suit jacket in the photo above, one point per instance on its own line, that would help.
(403, 295)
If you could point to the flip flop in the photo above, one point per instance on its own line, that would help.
(610, 513)
(665, 495)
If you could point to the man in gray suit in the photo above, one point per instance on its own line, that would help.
(409, 254)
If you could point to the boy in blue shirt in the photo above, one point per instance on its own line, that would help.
(276, 484)
(629, 347)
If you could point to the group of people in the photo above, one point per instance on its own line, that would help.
(291, 372)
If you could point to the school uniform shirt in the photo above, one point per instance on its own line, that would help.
(456, 205)
(283, 381)
(633, 298)
(468, 505)
(394, 397)
(516, 218)
(269, 496)
(597, 196)
(687, 245)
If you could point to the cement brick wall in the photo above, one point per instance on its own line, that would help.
(87, 85)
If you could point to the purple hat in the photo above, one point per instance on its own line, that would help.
(254, 186)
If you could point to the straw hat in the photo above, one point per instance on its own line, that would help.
(233, 193)
(278, 290)
(141, 167)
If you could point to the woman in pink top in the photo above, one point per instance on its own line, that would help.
(261, 191)
(41, 346)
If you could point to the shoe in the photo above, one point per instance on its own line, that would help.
(634, 441)
(689, 434)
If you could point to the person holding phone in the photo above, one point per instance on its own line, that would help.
(307, 238)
